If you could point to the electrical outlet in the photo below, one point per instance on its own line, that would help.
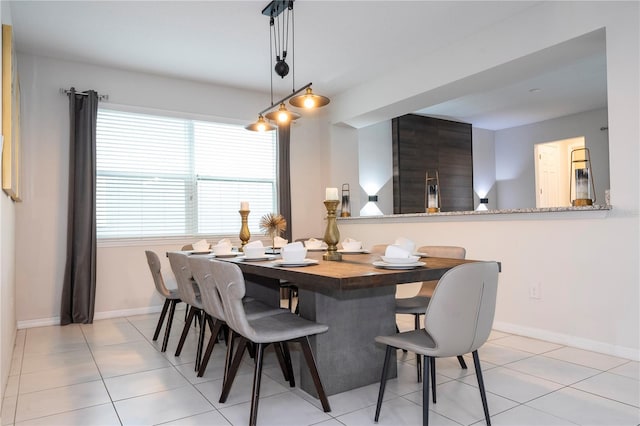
(534, 291)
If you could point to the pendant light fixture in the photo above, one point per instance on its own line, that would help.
(261, 125)
(282, 115)
(281, 27)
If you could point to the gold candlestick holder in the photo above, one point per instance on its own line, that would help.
(244, 229)
(332, 235)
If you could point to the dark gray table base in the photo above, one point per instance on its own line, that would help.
(347, 355)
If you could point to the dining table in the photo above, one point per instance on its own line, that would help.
(354, 297)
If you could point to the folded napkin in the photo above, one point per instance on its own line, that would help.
(201, 245)
(297, 246)
(279, 242)
(256, 243)
(406, 244)
(396, 252)
(314, 243)
(351, 244)
(225, 242)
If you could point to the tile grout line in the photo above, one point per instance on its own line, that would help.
(84, 336)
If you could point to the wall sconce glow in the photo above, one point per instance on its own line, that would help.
(371, 187)
(371, 209)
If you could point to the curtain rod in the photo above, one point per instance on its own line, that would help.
(100, 97)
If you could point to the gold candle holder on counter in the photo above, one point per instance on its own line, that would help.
(244, 229)
(332, 235)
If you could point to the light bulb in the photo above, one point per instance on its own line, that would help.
(261, 127)
(309, 102)
(283, 116)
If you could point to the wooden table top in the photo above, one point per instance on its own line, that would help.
(355, 271)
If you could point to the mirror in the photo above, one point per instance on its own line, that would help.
(554, 94)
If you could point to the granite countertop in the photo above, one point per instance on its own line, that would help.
(596, 207)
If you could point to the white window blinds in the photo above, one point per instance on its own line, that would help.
(161, 176)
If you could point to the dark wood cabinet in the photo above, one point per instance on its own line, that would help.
(422, 144)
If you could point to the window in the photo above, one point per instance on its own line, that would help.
(162, 176)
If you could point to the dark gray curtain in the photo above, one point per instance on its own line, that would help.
(79, 286)
(284, 176)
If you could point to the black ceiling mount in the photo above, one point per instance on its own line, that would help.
(276, 7)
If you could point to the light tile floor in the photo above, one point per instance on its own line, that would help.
(111, 373)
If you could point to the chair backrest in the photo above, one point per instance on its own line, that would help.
(201, 270)
(231, 287)
(460, 313)
(187, 247)
(154, 265)
(180, 266)
(453, 252)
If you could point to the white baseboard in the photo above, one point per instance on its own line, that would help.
(43, 322)
(568, 340)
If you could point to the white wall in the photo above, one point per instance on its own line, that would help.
(587, 262)
(484, 167)
(515, 171)
(124, 284)
(375, 163)
(7, 263)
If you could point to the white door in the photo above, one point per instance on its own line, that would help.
(547, 179)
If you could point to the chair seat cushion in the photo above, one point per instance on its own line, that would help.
(412, 305)
(282, 327)
(417, 341)
(256, 309)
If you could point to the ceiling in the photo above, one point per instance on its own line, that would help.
(338, 45)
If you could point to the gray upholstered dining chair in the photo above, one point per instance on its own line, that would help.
(282, 328)
(417, 304)
(190, 294)
(212, 305)
(459, 320)
(171, 296)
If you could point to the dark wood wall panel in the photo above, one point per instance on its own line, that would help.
(422, 144)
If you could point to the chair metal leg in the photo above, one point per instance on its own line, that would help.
(463, 364)
(283, 366)
(311, 363)
(167, 329)
(483, 394)
(202, 316)
(217, 325)
(233, 369)
(418, 357)
(383, 381)
(257, 376)
(432, 362)
(287, 360)
(425, 391)
(185, 330)
(227, 360)
(161, 319)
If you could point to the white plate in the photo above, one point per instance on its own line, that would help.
(257, 259)
(421, 254)
(386, 265)
(305, 262)
(221, 256)
(361, 251)
(399, 260)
